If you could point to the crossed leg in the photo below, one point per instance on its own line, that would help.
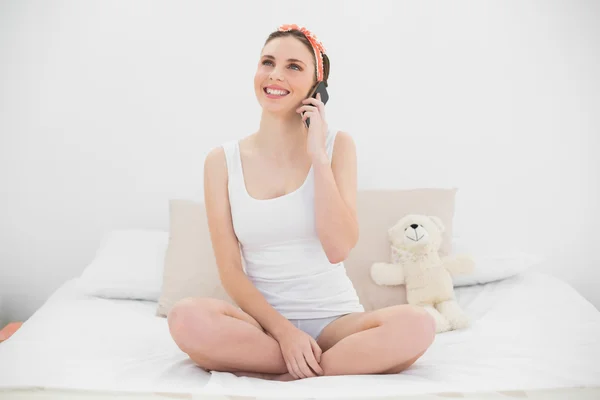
(219, 336)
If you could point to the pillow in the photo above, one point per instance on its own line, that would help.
(491, 265)
(127, 265)
(379, 210)
(190, 268)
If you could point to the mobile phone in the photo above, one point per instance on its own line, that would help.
(318, 88)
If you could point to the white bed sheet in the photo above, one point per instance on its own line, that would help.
(78, 342)
(529, 332)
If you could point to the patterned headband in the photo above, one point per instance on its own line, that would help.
(317, 46)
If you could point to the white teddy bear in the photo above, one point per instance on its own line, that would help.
(415, 241)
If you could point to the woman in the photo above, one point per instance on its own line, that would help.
(286, 196)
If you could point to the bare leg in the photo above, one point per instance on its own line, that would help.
(287, 377)
(388, 340)
(218, 336)
(401, 367)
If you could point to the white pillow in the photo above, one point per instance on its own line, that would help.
(491, 264)
(128, 265)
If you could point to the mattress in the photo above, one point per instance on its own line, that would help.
(531, 335)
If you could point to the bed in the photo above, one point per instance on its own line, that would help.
(533, 336)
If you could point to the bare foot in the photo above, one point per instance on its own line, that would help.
(270, 377)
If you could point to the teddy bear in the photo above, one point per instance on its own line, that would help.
(415, 241)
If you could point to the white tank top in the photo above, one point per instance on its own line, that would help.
(281, 251)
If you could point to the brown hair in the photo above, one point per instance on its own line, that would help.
(300, 36)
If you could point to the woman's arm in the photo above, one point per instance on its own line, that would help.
(335, 198)
(226, 247)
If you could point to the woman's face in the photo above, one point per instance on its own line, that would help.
(284, 76)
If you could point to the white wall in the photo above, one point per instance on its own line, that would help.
(107, 110)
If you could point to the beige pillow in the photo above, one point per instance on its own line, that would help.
(191, 269)
(190, 266)
(378, 210)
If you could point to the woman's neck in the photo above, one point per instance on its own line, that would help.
(281, 135)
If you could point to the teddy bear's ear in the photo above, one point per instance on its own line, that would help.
(391, 232)
(438, 222)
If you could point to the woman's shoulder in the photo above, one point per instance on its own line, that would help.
(340, 141)
(215, 162)
(223, 158)
(222, 153)
(343, 137)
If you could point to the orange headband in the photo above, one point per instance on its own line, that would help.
(317, 46)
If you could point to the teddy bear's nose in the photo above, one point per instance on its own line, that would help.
(414, 226)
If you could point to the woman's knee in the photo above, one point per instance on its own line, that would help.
(192, 323)
(416, 323)
(424, 326)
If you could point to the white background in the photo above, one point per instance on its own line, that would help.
(107, 110)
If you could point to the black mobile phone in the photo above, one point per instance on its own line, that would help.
(318, 88)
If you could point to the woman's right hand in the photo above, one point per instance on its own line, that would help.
(300, 352)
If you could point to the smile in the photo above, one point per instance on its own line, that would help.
(275, 93)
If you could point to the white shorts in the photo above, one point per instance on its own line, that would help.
(314, 326)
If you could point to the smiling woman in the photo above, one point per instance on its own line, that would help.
(297, 71)
(286, 196)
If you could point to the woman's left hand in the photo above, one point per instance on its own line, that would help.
(317, 131)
